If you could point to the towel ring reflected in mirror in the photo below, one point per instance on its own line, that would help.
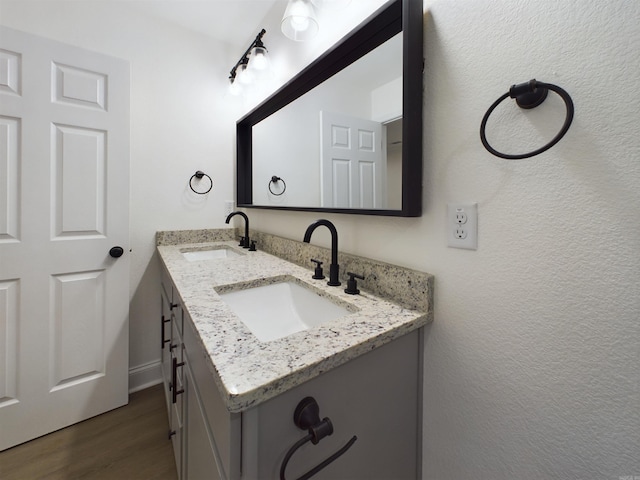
(275, 180)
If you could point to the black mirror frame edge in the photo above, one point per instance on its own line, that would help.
(393, 17)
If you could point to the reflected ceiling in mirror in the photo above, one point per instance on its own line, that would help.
(345, 135)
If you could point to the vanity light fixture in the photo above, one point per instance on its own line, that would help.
(253, 63)
(299, 21)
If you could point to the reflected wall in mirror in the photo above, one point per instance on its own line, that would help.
(345, 135)
(330, 144)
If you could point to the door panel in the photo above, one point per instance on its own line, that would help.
(9, 178)
(78, 320)
(64, 193)
(77, 86)
(341, 183)
(9, 295)
(79, 181)
(10, 72)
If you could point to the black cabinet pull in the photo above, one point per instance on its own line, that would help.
(174, 379)
(164, 340)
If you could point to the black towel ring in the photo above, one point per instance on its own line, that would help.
(529, 95)
(199, 174)
(307, 417)
(276, 179)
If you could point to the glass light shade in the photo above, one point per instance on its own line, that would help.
(244, 75)
(235, 88)
(259, 59)
(299, 22)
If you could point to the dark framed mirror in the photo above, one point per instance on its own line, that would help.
(345, 134)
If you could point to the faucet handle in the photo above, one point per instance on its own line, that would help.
(241, 244)
(318, 274)
(252, 248)
(352, 284)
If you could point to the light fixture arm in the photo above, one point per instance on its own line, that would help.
(245, 57)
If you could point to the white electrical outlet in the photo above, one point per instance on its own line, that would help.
(228, 206)
(462, 225)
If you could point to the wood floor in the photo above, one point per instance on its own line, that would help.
(129, 443)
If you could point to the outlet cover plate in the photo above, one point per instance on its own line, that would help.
(462, 225)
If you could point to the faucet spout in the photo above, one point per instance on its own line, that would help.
(334, 268)
(246, 242)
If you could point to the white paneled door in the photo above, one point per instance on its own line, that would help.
(64, 193)
(353, 162)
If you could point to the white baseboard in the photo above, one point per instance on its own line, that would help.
(145, 376)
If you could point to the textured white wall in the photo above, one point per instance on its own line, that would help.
(181, 121)
(532, 366)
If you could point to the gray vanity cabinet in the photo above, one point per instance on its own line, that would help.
(165, 332)
(172, 355)
(374, 397)
(201, 429)
(176, 405)
(217, 434)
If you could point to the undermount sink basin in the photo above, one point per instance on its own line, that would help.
(209, 254)
(281, 308)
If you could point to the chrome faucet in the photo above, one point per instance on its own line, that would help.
(334, 268)
(245, 240)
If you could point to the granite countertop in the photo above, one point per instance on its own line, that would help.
(248, 371)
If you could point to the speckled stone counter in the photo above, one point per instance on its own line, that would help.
(248, 371)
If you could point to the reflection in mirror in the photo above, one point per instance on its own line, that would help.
(342, 146)
(345, 134)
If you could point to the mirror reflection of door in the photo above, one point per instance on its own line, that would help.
(353, 162)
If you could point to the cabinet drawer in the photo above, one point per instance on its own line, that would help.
(166, 284)
(175, 432)
(201, 461)
(171, 294)
(224, 426)
(177, 315)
